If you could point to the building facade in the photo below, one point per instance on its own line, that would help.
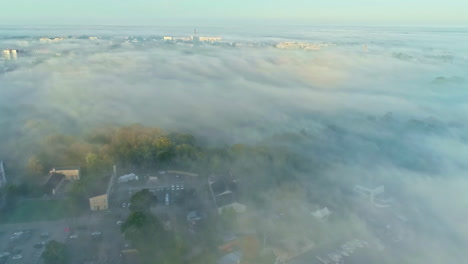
(99, 203)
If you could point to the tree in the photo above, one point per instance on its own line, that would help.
(147, 234)
(92, 161)
(164, 148)
(54, 253)
(142, 201)
(34, 166)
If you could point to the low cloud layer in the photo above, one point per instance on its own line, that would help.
(393, 115)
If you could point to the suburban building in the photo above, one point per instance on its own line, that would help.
(71, 173)
(99, 198)
(53, 182)
(98, 203)
(2, 175)
(224, 194)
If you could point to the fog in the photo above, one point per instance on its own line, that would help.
(393, 114)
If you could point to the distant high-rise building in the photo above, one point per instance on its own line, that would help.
(10, 54)
(14, 54)
(7, 54)
(2, 175)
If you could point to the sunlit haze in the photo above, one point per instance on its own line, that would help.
(205, 12)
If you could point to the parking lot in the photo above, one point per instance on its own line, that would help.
(26, 242)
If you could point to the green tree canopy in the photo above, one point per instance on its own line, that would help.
(54, 253)
(142, 201)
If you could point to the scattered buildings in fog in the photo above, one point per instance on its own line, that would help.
(193, 38)
(210, 39)
(50, 40)
(301, 45)
(10, 54)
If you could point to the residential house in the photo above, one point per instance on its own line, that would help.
(71, 173)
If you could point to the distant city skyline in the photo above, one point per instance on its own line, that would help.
(204, 12)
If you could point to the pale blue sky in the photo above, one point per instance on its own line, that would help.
(154, 12)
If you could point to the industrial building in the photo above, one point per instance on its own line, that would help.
(71, 173)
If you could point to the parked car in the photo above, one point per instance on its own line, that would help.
(73, 236)
(15, 257)
(119, 222)
(40, 244)
(96, 234)
(44, 235)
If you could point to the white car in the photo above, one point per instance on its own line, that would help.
(17, 257)
(73, 236)
(96, 234)
(5, 254)
(181, 186)
(172, 187)
(124, 205)
(177, 187)
(119, 222)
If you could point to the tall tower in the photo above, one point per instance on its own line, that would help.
(2, 175)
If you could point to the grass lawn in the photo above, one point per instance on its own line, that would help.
(37, 210)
